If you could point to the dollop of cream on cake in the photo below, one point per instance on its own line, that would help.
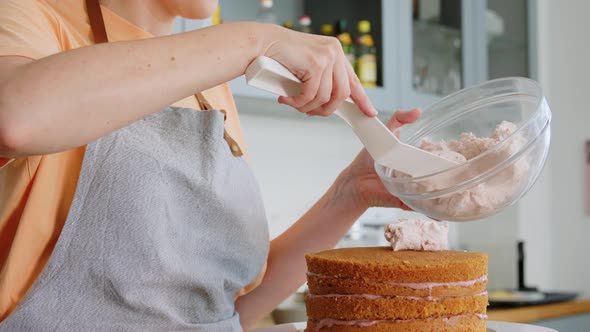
(418, 234)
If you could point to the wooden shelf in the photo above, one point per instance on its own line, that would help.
(540, 312)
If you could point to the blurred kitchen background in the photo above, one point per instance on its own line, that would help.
(415, 53)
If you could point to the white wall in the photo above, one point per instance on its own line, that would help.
(496, 236)
(564, 72)
(295, 160)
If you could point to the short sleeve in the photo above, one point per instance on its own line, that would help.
(28, 28)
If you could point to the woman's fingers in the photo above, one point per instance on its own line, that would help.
(309, 90)
(401, 118)
(410, 116)
(340, 90)
(358, 94)
(323, 94)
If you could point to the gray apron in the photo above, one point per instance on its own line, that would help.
(165, 227)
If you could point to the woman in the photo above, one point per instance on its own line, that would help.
(120, 212)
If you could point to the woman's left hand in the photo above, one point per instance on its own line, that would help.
(360, 184)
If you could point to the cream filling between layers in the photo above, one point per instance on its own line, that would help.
(418, 298)
(412, 285)
(329, 322)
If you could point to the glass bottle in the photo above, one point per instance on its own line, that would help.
(345, 39)
(327, 30)
(265, 12)
(305, 24)
(366, 55)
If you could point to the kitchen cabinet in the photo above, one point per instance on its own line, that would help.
(426, 48)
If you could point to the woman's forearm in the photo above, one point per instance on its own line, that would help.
(319, 229)
(71, 98)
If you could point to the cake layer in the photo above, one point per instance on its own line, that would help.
(384, 265)
(354, 307)
(320, 284)
(462, 323)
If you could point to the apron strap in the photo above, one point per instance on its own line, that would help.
(203, 103)
(96, 22)
(233, 145)
(99, 33)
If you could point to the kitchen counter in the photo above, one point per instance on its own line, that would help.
(541, 312)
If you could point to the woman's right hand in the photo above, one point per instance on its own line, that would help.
(319, 62)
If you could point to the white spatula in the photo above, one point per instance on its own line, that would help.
(269, 75)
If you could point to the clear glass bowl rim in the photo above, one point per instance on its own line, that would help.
(538, 95)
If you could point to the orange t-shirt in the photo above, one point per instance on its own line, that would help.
(36, 192)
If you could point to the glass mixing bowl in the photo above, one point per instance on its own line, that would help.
(493, 180)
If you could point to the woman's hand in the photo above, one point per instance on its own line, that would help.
(359, 182)
(319, 62)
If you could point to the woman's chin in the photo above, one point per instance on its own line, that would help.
(196, 10)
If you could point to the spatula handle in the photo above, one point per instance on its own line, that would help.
(269, 75)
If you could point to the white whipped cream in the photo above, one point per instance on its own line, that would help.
(418, 234)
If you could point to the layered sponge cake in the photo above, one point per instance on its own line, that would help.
(377, 289)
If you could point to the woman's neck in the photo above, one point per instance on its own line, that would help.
(150, 15)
